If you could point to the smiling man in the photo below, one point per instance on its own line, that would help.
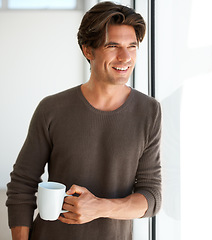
(101, 139)
(113, 62)
(111, 66)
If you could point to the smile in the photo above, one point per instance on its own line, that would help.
(121, 69)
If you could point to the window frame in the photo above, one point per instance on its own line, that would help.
(5, 7)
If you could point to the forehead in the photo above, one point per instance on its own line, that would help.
(120, 34)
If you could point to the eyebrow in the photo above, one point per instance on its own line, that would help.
(117, 44)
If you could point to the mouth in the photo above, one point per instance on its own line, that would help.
(121, 68)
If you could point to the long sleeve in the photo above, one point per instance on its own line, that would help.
(148, 177)
(27, 171)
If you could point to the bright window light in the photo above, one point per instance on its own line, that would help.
(199, 35)
(42, 4)
(196, 131)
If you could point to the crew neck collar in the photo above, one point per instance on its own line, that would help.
(119, 109)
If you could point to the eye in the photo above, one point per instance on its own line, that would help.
(133, 46)
(112, 46)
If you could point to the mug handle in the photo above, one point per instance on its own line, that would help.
(65, 195)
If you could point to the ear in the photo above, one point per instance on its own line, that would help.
(88, 52)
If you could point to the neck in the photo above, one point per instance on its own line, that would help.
(105, 97)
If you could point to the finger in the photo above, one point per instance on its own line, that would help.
(71, 200)
(71, 216)
(69, 207)
(76, 189)
(67, 220)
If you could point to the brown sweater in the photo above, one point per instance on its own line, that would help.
(111, 153)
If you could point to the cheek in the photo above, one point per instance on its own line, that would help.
(99, 65)
(133, 56)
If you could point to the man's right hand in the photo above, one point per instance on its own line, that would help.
(20, 233)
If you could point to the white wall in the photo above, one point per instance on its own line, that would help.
(39, 56)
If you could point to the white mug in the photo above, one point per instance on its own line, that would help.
(50, 200)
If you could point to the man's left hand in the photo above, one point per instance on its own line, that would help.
(81, 209)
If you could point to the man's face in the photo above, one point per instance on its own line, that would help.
(113, 62)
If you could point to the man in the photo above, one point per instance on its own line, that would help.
(101, 139)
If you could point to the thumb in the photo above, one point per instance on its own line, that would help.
(75, 189)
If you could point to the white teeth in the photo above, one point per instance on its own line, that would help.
(121, 69)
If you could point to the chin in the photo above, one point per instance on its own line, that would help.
(121, 82)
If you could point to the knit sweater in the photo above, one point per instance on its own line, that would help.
(111, 153)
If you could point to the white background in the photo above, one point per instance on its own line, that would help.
(39, 56)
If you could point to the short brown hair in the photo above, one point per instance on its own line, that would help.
(94, 23)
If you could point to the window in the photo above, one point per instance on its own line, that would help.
(39, 4)
(184, 83)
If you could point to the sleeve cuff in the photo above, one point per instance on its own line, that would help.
(20, 215)
(151, 203)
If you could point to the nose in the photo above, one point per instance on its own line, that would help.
(123, 55)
